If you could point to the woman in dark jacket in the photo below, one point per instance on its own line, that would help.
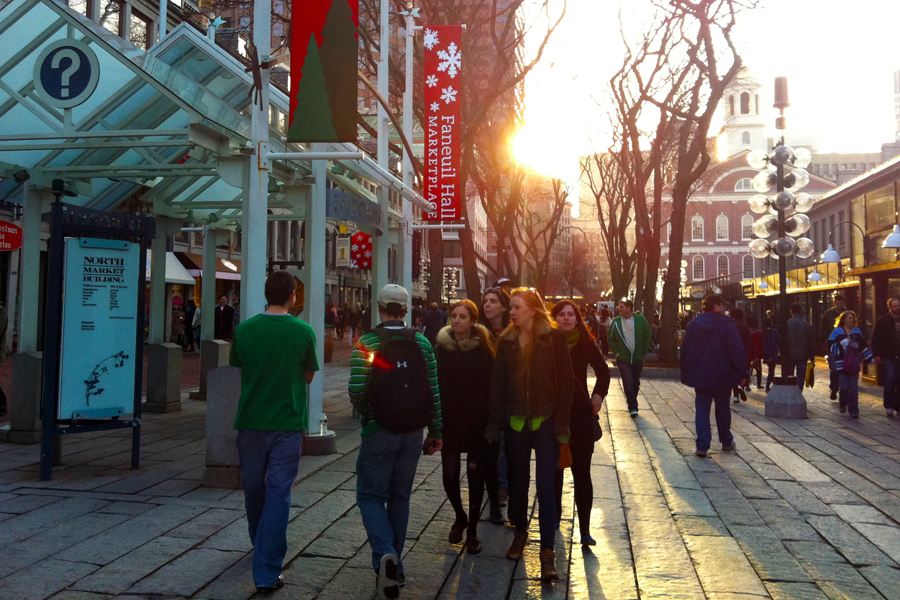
(771, 342)
(584, 423)
(465, 362)
(495, 311)
(531, 398)
(848, 350)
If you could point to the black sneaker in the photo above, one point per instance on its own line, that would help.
(727, 447)
(279, 583)
(700, 453)
(833, 395)
(401, 579)
(387, 582)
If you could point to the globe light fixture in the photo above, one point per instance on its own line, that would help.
(764, 181)
(758, 159)
(802, 158)
(785, 246)
(802, 202)
(784, 201)
(797, 225)
(796, 180)
(805, 247)
(783, 155)
(831, 255)
(892, 240)
(765, 226)
(758, 204)
(759, 248)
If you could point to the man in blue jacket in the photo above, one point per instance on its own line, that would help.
(713, 361)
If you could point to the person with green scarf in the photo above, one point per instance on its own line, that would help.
(629, 340)
(584, 422)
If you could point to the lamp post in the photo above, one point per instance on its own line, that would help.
(784, 218)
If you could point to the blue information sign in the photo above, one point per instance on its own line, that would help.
(66, 73)
(99, 328)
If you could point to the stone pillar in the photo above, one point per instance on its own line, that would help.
(163, 378)
(785, 400)
(223, 468)
(213, 354)
(25, 400)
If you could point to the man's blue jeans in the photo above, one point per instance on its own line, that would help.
(800, 366)
(631, 381)
(518, 453)
(269, 464)
(703, 400)
(890, 368)
(385, 469)
(849, 395)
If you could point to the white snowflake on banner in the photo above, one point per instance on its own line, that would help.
(431, 80)
(451, 60)
(368, 254)
(435, 106)
(353, 264)
(354, 247)
(431, 38)
(365, 263)
(449, 95)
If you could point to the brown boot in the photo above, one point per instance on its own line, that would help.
(518, 545)
(548, 565)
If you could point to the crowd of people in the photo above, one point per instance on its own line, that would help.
(488, 386)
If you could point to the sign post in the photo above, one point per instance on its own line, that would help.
(93, 336)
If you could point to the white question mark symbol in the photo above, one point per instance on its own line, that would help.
(68, 71)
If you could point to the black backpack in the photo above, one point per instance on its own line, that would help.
(397, 388)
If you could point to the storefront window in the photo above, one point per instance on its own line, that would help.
(858, 216)
(867, 307)
(880, 208)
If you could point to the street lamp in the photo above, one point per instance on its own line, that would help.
(786, 220)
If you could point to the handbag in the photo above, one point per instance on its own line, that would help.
(810, 374)
(852, 360)
(565, 457)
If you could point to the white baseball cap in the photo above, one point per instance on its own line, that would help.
(393, 293)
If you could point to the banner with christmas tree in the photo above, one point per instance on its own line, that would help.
(361, 251)
(443, 120)
(324, 44)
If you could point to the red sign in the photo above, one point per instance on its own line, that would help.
(10, 236)
(361, 251)
(443, 120)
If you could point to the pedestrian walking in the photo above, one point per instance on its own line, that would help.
(353, 321)
(394, 387)
(801, 343)
(495, 317)
(197, 330)
(713, 360)
(737, 315)
(224, 319)
(584, 421)
(848, 351)
(629, 341)
(771, 349)
(756, 363)
(603, 325)
(886, 350)
(189, 332)
(531, 399)
(434, 320)
(828, 325)
(465, 362)
(178, 317)
(277, 357)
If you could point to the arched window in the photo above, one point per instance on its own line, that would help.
(744, 185)
(699, 272)
(731, 105)
(746, 227)
(697, 229)
(745, 138)
(722, 266)
(721, 228)
(745, 103)
(747, 267)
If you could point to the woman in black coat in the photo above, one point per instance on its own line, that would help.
(584, 421)
(465, 364)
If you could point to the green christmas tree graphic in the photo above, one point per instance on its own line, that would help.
(339, 59)
(312, 117)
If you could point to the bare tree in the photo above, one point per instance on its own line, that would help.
(680, 71)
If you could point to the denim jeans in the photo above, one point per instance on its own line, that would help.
(385, 469)
(703, 400)
(890, 367)
(269, 464)
(800, 366)
(519, 445)
(849, 395)
(631, 381)
(834, 380)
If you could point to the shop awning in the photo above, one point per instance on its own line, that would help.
(175, 271)
(226, 268)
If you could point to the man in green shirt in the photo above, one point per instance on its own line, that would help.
(276, 353)
(629, 339)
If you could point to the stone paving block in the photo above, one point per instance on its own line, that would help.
(122, 573)
(174, 487)
(662, 562)
(803, 501)
(31, 523)
(300, 498)
(26, 503)
(126, 508)
(691, 525)
(769, 557)
(480, 577)
(833, 493)
(885, 579)
(236, 583)
(70, 595)
(603, 571)
(722, 566)
(43, 579)
(358, 584)
(188, 573)
(325, 481)
(122, 539)
(781, 590)
(853, 513)
(886, 537)
(689, 502)
(850, 590)
(855, 548)
(784, 521)
(206, 524)
(342, 539)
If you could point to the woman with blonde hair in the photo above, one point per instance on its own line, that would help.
(848, 351)
(465, 362)
(531, 397)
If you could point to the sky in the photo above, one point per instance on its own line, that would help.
(839, 63)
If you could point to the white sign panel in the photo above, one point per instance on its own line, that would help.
(99, 328)
(342, 249)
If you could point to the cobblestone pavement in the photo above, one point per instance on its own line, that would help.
(802, 510)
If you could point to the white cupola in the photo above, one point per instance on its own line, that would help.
(744, 127)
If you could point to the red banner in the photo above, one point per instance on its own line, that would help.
(10, 236)
(361, 251)
(443, 120)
